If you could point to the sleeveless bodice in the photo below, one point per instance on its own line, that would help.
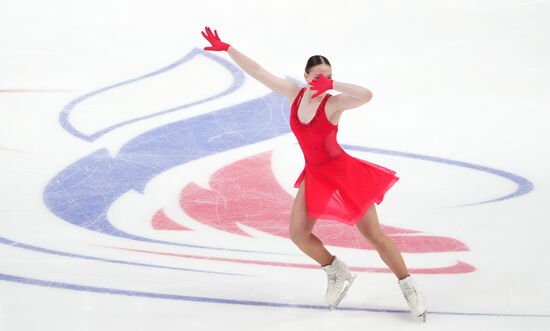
(317, 138)
(338, 186)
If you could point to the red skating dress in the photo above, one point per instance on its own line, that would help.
(338, 186)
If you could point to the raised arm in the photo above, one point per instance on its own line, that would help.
(352, 95)
(278, 85)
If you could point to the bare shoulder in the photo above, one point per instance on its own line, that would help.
(292, 92)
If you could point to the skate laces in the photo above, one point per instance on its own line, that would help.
(332, 276)
(336, 272)
(335, 277)
(415, 298)
(411, 293)
(411, 290)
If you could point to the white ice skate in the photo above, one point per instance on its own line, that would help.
(415, 298)
(339, 280)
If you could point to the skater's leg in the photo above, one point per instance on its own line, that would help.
(390, 254)
(300, 230)
(370, 228)
(339, 278)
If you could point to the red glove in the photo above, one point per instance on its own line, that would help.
(217, 44)
(321, 84)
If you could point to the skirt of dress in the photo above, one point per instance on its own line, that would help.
(343, 188)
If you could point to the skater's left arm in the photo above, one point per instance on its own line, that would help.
(352, 95)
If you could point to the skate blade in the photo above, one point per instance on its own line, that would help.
(422, 317)
(343, 294)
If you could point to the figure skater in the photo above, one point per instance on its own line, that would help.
(332, 185)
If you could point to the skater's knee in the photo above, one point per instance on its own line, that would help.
(376, 238)
(300, 227)
(298, 236)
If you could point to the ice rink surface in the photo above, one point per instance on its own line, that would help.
(147, 184)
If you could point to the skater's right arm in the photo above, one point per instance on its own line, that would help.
(278, 85)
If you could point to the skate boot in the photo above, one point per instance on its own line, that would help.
(339, 280)
(414, 296)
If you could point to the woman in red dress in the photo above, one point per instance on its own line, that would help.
(333, 184)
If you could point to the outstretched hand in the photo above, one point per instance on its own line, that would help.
(214, 39)
(320, 84)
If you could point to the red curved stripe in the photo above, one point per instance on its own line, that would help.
(162, 222)
(458, 268)
(247, 192)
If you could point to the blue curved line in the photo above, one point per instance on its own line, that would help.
(238, 80)
(524, 186)
(82, 192)
(17, 244)
(113, 291)
(138, 161)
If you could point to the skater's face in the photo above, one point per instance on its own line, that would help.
(314, 72)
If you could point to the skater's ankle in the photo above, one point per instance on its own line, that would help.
(400, 279)
(331, 260)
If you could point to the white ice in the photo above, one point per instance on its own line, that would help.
(467, 81)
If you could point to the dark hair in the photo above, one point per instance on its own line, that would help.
(316, 60)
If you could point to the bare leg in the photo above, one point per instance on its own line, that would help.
(390, 254)
(300, 230)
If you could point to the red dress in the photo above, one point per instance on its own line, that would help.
(338, 186)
